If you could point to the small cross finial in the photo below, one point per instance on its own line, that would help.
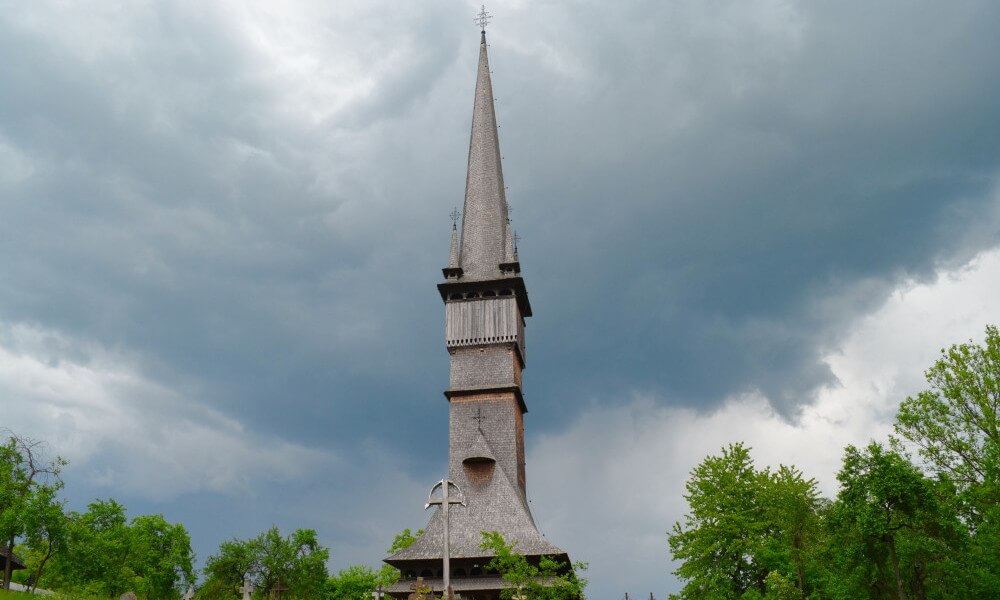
(483, 18)
(479, 417)
(517, 239)
(454, 217)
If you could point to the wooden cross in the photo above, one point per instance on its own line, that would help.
(247, 588)
(277, 589)
(417, 587)
(483, 18)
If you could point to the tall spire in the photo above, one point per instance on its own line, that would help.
(485, 306)
(484, 218)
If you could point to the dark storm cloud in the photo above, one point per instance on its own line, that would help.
(254, 208)
(727, 197)
(175, 211)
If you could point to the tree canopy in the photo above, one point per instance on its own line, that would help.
(296, 562)
(106, 554)
(895, 529)
(542, 578)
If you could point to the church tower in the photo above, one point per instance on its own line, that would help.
(486, 304)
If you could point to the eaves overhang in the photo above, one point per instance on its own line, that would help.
(446, 288)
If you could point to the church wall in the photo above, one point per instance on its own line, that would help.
(484, 366)
(503, 428)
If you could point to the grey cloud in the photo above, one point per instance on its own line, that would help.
(708, 196)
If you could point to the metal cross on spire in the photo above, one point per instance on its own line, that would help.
(517, 239)
(479, 417)
(483, 18)
(454, 217)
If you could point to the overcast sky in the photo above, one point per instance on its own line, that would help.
(222, 224)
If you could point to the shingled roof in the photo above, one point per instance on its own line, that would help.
(485, 230)
(496, 505)
(16, 563)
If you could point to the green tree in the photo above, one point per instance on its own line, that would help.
(544, 577)
(892, 537)
(955, 426)
(724, 532)
(955, 423)
(24, 472)
(160, 557)
(358, 582)
(105, 554)
(982, 561)
(296, 562)
(99, 545)
(353, 583)
(225, 570)
(748, 533)
(790, 504)
(46, 531)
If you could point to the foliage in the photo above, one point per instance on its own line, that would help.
(894, 536)
(545, 578)
(47, 530)
(404, 540)
(358, 582)
(748, 533)
(724, 532)
(27, 482)
(296, 562)
(791, 506)
(353, 583)
(956, 421)
(893, 531)
(956, 428)
(105, 554)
